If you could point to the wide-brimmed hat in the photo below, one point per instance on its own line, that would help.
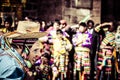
(17, 35)
(26, 29)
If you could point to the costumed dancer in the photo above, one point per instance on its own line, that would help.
(117, 53)
(82, 43)
(105, 55)
(61, 46)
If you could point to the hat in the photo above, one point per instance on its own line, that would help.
(26, 29)
(28, 26)
(17, 35)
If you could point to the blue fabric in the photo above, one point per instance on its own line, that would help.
(9, 67)
(10, 50)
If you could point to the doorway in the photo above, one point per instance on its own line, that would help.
(110, 10)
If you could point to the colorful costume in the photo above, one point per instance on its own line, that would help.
(117, 53)
(82, 58)
(105, 55)
(60, 53)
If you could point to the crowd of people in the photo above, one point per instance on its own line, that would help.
(85, 52)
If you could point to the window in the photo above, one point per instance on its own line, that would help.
(82, 3)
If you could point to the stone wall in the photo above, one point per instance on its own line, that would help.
(96, 11)
(75, 15)
(50, 10)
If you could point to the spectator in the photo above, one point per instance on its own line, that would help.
(90, 25)
(8, 25)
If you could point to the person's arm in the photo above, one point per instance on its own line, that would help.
(69, 45)
(97, 29)
(76, 42)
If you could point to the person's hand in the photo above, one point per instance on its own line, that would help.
(55, 72)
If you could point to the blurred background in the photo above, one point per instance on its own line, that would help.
(71, 10)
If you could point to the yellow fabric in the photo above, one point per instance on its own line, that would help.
(97, 29)
(82, 49)
(116, 62)
(3, 30)
(59, 48)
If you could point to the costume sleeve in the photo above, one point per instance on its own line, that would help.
(74, 40)
(97, 29)
(69, 45)
(109, 39)
(88, 41)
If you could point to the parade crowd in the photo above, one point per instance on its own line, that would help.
(87, 51)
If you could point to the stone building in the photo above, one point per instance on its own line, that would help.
(73, 11)
(70, 10)
(76, 10)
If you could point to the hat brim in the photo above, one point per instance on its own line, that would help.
(17, 35)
